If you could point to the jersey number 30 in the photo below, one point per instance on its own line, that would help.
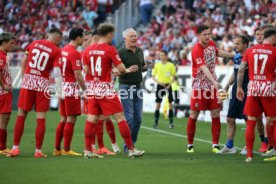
(39, 60)
(96, 67)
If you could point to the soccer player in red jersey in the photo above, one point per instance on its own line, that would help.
(98, 60)
(91, 38)
(70, 103)
(261, 94)
(205, 86)
(42, 56)
(7, 42)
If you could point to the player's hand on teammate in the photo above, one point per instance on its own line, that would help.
(218, 86)
(8, 88)
(240, 94)
(115, 72)
(132, 68)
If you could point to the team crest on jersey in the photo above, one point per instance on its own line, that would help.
(1, 62)
(198, 61)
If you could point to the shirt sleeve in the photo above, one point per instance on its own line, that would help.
(114, 56)
(245, 57)
(76, 61)
(57, 59)
(85, 60)
(173, 70)
(155, 70)
(198, 56)
(2, 64)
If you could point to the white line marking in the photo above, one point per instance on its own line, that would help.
(184, 136)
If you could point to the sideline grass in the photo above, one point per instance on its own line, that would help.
(165, 161)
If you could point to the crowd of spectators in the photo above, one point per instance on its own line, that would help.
(173, 26)
(30, 19)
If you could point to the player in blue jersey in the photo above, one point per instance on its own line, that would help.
(235, 110)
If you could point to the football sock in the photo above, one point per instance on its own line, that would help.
(156, 116)
(171, 116)
(270, 130)
(110, 130)
(266, 140)
(125, 133)
(89, 132)
(18, 129)
(39, 133)
(262, 138)
(3, 139)
(191, 128)
(216, 127)
(59, 135)
(99, 133)
(274, 140)
(68, 134)
(230, 143)
(250, 137)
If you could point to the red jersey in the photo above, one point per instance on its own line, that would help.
(203, 56)
(99, 58)
(71, 60)
(261, 60)
(43, 56)
(5, 72)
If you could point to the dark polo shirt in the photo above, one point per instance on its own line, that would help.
(132, 58)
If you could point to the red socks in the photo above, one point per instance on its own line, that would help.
(125, 133)
(39, 133)
(59, 135)
(89, 132)
(250, 137)
(191, 128)
(216, 127)
(18, 129)
(3, 139)
(99, 133)
(110, 130)
(269, 131)
(68, 134)
(274, 141)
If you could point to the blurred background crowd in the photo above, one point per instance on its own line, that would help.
(165, 24)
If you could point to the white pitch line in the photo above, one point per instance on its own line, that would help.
(184, 136)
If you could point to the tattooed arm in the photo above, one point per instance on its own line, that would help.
(240, 92)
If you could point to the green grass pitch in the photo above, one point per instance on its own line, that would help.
(165, 161)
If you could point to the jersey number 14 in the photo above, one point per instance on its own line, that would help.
(96, 67)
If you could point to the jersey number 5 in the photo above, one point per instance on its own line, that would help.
(257, 58)
(96, 67)
(39, 60)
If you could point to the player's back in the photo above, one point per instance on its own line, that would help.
(71, 60)
(262, 66)
(43, 55)
(261, 61)
(100, 57)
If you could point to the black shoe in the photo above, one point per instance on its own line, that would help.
(155, 126)
(171, 126)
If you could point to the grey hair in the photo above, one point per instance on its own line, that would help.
(125, 32)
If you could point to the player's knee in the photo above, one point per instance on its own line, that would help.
(92, 118)
(215, 113)
(230, 120)
(22, 112)
(119, 117)
(194, 114)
